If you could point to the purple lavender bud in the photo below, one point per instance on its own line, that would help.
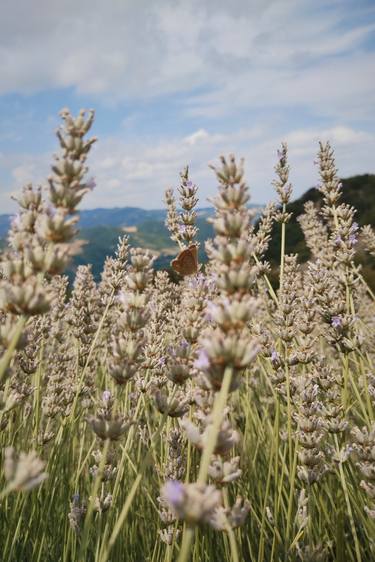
(173, 492)
(123, 298)
(91, 184)
(336, 321)
(353, 239)
(152, 307)
(338, 240)
(226, 303)
(203, 361)
(275, 357)
(16, 221)
(51, 210)
(282, 157)
(196, 281)
(211, 310)
(192, 282)
(184, 344)
(189, 183)
(182, 229)
(355, 227)
(171, 351)
(161, 362)
(106, 396)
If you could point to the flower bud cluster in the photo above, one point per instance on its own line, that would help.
(224, 343)
(228, 343)
(107, 424)
(261, 239)
(364, 448)
(311, 431)
(114, 271)
(331, 304)
(316, 234)
(76, 515)
(182, 226)
(42, 235)
(368, 238)
(330, 384)
(282, 185)
(84, 311)
(194, 503)
(22, 471)
(330, 185)
(128, 340)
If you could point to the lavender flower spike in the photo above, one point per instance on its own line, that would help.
(173, 492)
(202, 362)
(336, 322)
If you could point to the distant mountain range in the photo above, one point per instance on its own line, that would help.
(117, 217)
(101, 229)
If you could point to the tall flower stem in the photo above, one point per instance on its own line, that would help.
(187, 541)
(91, 351)
(94, 492)
(282, 250)
(7, 357)
(105, 551)
(217, 417)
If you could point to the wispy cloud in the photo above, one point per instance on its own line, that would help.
(179, 82)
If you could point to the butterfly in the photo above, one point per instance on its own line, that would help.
(186, 263)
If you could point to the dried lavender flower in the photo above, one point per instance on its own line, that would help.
(22, 471)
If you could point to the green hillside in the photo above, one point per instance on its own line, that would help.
(358, 191)
(101, 241)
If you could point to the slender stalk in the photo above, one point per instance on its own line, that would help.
(91, 351)
(90, 510)
(348, 506)
(282, 249)
(187, 541)
(217, 418)
(7, 357)
(126, 507)
(231, 535)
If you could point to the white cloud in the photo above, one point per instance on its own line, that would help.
(141, 176)
(243, 53)
(199, 135)
(217, 61)
(137, 174)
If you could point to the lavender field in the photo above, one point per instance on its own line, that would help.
(215, 416)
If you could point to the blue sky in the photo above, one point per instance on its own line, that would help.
(181, 82)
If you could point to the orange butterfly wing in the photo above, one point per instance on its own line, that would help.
(186, 263)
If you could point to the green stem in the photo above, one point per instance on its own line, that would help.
(187, 541)
(91, 351)
(217, 416)
(7, 357)
(348, 505)
(282, 250)
(268, 283)
(231, 535)
(90, 510)
(126, 507)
